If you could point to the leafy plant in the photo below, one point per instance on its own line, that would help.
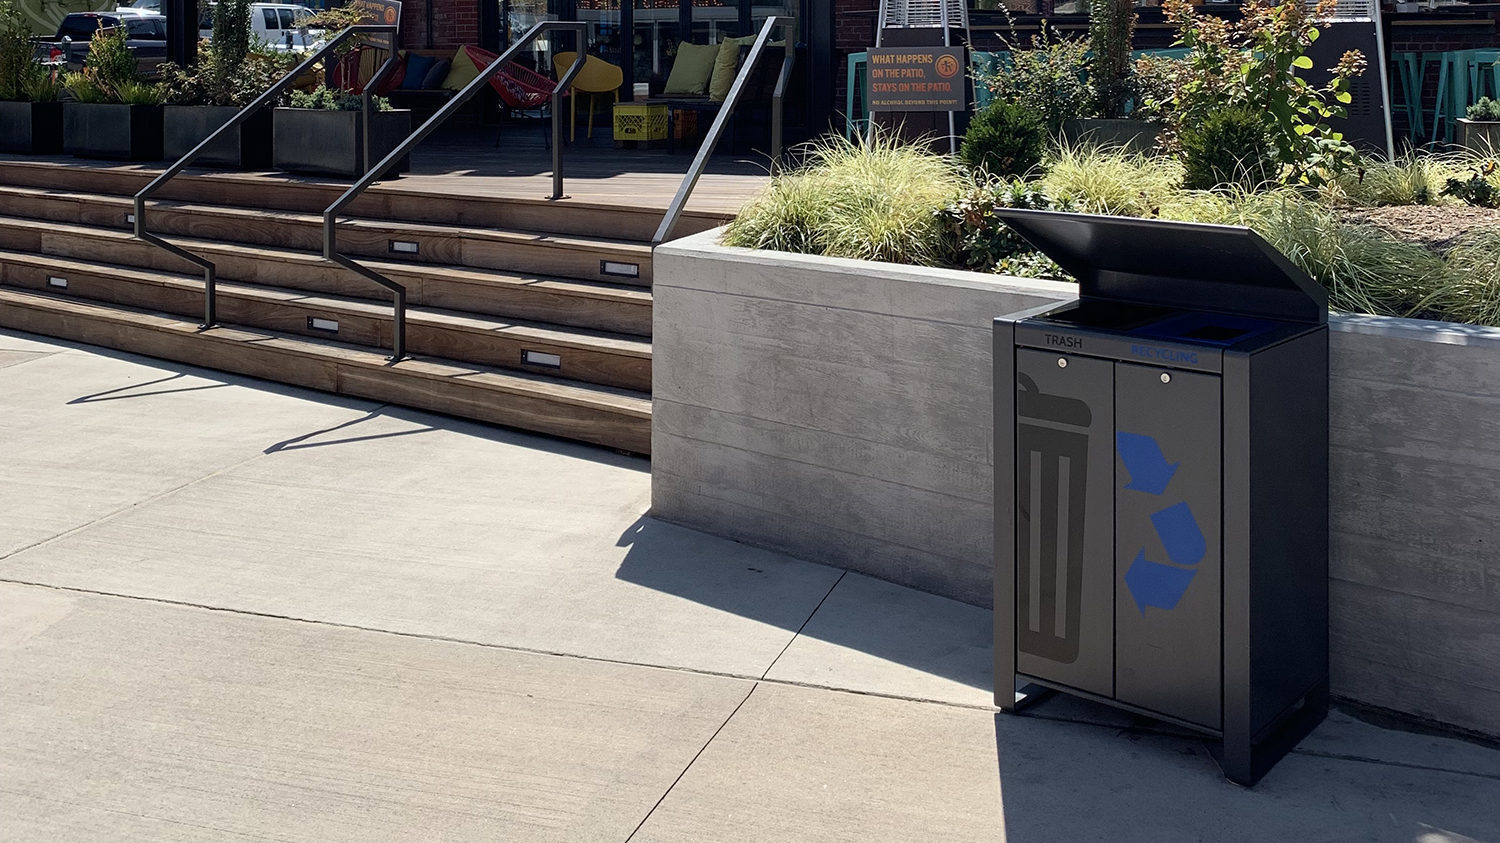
(208, 82)
(1254, 63)
(42, 86)
(979, 239)
(1232, 147)
(16, 64)
(1112, 181)
(1477, 189)
(110, 61)
(1005, 139)
(138, 93)
(324, 98)
(872, 199)
(1047, 79)
(1486, 109)
(82, 88)
(231, 41)
(1111, 27)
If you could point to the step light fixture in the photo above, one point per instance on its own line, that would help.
(60, 283)
(404, 247)
(327, 325)
(624, 270)
(541, 358)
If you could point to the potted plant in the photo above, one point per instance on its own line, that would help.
(108, 112)
(1480, 129)
(322, 133)
(30, 115)
(1111, 82)
(229, 74)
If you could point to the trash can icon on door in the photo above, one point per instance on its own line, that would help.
(1064, 462)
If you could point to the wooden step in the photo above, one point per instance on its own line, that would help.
(583, 304)
(389, 200)
(591, 357)
(588, 258)
(601, 415)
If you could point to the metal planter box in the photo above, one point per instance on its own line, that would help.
(1161, 484)
(118, 132)
(247, 147)
(331, 142)
(1481, 136)
(33, 128)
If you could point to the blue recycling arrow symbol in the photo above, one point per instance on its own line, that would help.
(1149, 470)
(1155, 583)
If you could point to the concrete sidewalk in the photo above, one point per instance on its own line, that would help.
(230, 608)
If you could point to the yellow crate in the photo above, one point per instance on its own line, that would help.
(636, 121)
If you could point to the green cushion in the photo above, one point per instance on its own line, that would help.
(725, 64)
(690, 72)
(462, 72)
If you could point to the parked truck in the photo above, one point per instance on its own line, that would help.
(145, 36)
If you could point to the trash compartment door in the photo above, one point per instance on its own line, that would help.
(1168, 583)
(1064, 507)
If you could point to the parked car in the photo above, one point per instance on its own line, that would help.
(146, 37)
(277, 24)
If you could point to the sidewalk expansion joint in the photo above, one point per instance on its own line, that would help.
(694, 760)
(805, 621)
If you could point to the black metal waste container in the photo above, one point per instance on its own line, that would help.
(1161, 484)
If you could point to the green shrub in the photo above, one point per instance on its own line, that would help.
(1473, 293)
(82, 88)
(1477, 189)
(1005, 139)
(978, 238)
(1112, 181)
(1255, 63)
(231, 41)
(138, 93)
(1485, 109)
(15, 53)
(1046, 78)
(324, 98)
(1111, 27)
(873, 199)
(109, 62)
(1231, 147)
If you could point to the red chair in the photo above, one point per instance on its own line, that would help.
(521, 89)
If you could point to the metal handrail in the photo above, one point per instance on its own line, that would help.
(711, 140)
(210, 270)
(330, 214)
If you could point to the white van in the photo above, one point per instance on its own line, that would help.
(277, 24)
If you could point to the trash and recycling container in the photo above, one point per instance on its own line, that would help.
(1161, 483)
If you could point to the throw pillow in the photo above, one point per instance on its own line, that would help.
(416, 70)
(463, 72)
(690, 72)
(434, 78)
(726, 64)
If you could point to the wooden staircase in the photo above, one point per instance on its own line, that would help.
(519, 312)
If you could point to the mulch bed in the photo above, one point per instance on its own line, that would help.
(1434, 226)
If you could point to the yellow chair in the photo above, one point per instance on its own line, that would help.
(597, 76)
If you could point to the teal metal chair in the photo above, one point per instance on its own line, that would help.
(1459, 84)
(1410, 73)
(982, 64)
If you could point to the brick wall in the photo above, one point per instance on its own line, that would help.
(454, 23)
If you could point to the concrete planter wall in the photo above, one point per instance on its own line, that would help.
(33, 128)
(1128, 135)
(332, 142)
(111, 131)
(840, 411)
(1482, 136)
(247, 147)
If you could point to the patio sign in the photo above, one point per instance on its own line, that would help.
(378, 12)
(916, 79)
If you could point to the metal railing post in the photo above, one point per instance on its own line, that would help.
(210, 271)
(373, 174)
(715, 131)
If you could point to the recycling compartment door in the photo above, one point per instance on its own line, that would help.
(1064, 540)
(1168, 603)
